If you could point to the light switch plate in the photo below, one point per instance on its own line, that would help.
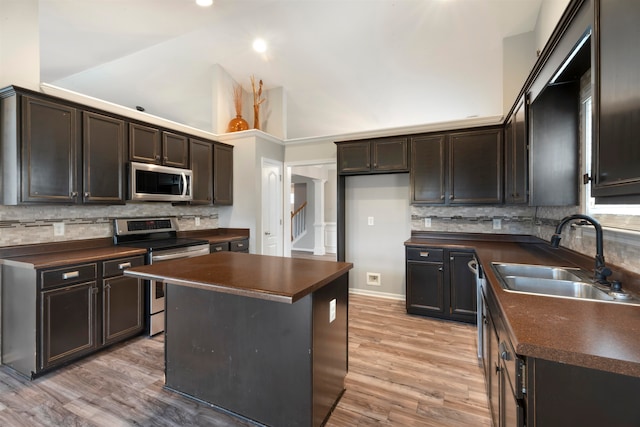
(332, 310)
(427, 222)
(197, 221)
(370, 220)
(497, 224)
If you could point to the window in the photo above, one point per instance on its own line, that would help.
(589, 203)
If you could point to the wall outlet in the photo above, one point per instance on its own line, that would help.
(497, 224)
(370, 220)
(58, 228)
(332, 310)
(373, 279)
(427, 222)
(197, 221)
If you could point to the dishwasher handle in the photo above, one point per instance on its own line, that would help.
(473, 266)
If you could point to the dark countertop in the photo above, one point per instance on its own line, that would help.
(598, 335)
(56, 254)
(77, 256)
(259, 276)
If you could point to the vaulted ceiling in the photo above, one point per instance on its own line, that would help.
(344, 65)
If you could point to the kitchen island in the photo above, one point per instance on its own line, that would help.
(262, 337)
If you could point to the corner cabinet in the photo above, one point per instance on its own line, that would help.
(202, 166)
(439, 283)
(53, 152)
(457, 168)
(516, 156)
(616, 168)
(56, 315)
(381, 155)
(222, 174)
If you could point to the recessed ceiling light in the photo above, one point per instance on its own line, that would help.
(204, 3)
(259, 45)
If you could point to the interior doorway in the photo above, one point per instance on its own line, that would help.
(272, 223)
(310, 229)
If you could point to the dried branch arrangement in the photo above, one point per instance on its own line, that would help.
(257, 100)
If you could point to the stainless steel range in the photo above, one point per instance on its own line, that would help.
(159, 237)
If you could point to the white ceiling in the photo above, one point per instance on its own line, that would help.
(345, 65)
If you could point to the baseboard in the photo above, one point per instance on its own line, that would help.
(387, 295)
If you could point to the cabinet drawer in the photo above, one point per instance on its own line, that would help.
(425, 254)
(239, 246)
(115, 267)
(219, 247)
(68, 275)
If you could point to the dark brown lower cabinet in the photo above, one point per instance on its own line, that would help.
(122, 308)
(532, 392)
(440, 284)
(57, 315)
(69, 320)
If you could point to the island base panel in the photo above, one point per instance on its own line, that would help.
(257, 358)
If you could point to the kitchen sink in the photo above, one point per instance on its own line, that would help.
(555, 287)
(539, 271)
(563, 282)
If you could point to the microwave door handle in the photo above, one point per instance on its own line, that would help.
(184, 184)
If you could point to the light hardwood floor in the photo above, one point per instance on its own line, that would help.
(403, 371)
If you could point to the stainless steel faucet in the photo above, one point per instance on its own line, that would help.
(601, 271)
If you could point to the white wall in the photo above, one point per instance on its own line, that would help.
(550, 13)
(19, 44)
(378, 248)
(519, 53)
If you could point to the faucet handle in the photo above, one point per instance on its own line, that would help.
(616, 286)
(602, 274)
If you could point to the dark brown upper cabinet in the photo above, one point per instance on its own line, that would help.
(516, 155)
(53, 152)
(103, 142)
(381, 155)
(150, 145)
(616, 165)
(222, 174)
(457, 168)
(49, 152)
(202, 166)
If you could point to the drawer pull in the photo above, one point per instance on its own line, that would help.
(218, 248)
(71, 275)
(241, 245)
(424, 254)
(124, 265)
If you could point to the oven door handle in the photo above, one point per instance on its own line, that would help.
(203, 251)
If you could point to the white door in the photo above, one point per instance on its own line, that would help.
(271, 207)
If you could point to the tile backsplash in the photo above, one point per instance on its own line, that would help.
(621, 248)
(21, 225)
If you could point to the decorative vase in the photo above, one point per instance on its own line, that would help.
(237, 124)
(256, 116)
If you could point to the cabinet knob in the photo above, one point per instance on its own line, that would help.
(442, 197)
(157, 156)
(74, 194)
(166, 158)
(424, 254)
(497, 368)
(87, 194)
(451, 197)
(440, 269)
(504, 355)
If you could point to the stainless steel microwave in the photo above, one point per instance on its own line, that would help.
(159, 183)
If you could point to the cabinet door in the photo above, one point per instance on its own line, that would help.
(144, 144)
(222, 174)
(354, 157)
(427, 169)
(390, 154)
(475, 167)
(515, 153)
(103, 147)
(425, 288)
(554, 167)
(68, 323)
(616, 154)
(50, 156)
(122, 308)
(175, 150)
(202, 166)
(494, 379)
(462, 287)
